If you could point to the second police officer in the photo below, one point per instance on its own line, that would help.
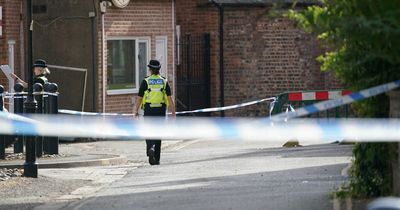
(40, 71)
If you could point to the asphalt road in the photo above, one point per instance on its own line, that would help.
(228, 175)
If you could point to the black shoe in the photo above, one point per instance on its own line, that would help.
(152, 159)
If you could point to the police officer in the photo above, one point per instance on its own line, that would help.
(39, 69)
(154, 97)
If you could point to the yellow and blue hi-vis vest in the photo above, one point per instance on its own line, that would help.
(43, 78)
(155, 94)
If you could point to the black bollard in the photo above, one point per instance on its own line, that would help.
(46, 139)
(18, 109)
(30, 165)
(53, 142)
(38, 92)
(2, 137)
(46, 89)
(1, 98)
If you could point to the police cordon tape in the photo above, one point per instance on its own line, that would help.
(216, 109)
(310, 109)
(243, 129)
(347, 99)
(273, 129)
(72, 112)
(24, 94)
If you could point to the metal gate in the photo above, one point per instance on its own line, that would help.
(193, 73)
(298, 99)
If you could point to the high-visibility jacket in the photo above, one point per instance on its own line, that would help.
(41, 79)
(155, 95)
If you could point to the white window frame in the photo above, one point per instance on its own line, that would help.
(165, 65)
(138, 80)
(148, 41)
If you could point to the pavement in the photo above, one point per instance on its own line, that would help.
(65, 179)
(85, 154)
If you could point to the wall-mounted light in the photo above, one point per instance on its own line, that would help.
(104, 5)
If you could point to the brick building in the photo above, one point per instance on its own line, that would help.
(263, 55)
(147, 24)
(110, 47)
(113, 44)
(11, 38)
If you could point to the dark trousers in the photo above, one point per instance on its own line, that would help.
(157, 147)
(154, 112)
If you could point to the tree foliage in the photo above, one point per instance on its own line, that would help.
(363, 42)
(363, 35)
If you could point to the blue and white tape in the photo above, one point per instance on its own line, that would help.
(24, 94)
(246, 129)
(325, 105)
(72, 112)
(243, 129)
(216, 109)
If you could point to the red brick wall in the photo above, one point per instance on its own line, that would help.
(263, 56)
(3, 45)
(141, 18)
(11, 31)
(198, 20)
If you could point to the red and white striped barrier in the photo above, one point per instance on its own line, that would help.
(317, 95)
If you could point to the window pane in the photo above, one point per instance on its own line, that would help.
(142, 60)
(121, 64)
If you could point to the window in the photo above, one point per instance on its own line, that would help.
(126, 64)
(143, 60)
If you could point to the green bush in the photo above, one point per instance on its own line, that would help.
(364, 47)
(371, 172)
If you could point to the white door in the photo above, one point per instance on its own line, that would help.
(161, 54)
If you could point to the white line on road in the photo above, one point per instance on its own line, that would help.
(181, 145)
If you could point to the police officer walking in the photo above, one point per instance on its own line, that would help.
(154, 97)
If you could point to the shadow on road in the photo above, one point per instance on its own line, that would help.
(323, 150)
(305, 188)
